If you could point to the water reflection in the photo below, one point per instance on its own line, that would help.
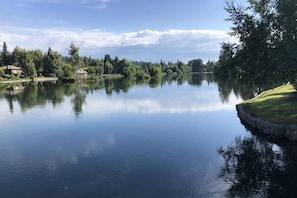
(30, 95)
(244, 89)
(132, 139)
(257, 168)
(78, 100)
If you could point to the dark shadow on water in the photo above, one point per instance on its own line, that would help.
(260, 166)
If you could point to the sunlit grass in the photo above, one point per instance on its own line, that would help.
(278, 105)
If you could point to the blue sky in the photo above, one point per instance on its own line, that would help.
(148, 30)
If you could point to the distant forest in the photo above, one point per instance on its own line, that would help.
(37, 63)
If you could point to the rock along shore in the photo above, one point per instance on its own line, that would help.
(272, 129)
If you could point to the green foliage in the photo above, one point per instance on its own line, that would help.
(185, 69)
(116, 60)
(107, 59)
(96, 62)
(28, 64)
(86, 61)
(2, 74)
(267, 31)
(108, 68)
(99, 70)
(17, 56)
(286, 46)
(67, 73)
(176, 70)
(97, 67)
(226, 62)
(278, 105)
(38, 59)
(24, 59)
(51, 64)
(169, 72)
(5, 55)
(74, 56)
(141, 75)
(93, 78)
(125, 68)
(155, 72)
(91, 70)
(196, 64)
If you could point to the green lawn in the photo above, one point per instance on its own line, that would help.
(278, 105)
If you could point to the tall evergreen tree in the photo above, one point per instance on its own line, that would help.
(53, 64)
(5, 56)
(49, 63)
(73, 52)
(107, 59)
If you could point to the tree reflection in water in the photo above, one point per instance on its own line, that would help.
(78, 100)
(257, 168)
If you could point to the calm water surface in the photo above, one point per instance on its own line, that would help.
(169, 140)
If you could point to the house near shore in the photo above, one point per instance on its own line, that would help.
(11, 69)
(81, 72)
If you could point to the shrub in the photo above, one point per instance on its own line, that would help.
(141, 75)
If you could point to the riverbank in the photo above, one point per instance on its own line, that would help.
(38, 79)
(273, 112)
(112, 76)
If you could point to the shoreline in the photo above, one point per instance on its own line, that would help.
(273, 130)
(272, 113)
(38, 79)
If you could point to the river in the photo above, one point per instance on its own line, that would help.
(116, 138)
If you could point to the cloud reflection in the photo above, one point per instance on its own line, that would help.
(103, 106)
(96, 144)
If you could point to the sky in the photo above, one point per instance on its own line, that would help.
(148, 30)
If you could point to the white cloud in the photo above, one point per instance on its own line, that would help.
(157, 43)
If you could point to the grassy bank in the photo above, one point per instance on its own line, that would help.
(277, 105)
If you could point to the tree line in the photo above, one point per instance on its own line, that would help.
(36, 63)
(267, 41)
